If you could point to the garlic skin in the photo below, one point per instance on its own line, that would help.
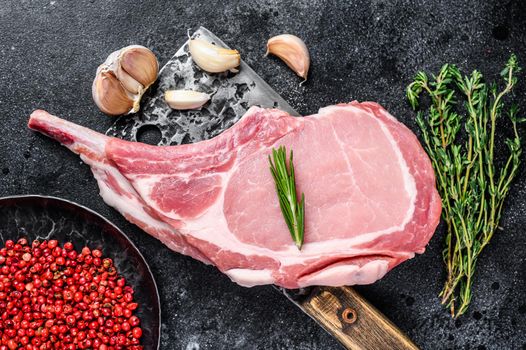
(109, 94)
(123, 78)
(212, 58)
(293, 51)
(185, 99)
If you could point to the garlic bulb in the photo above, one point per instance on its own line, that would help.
(185, 99)
(123, 78)
(212, 58)
(293, 51)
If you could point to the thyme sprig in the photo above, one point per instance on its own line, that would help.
(293, 211)
(472, 185)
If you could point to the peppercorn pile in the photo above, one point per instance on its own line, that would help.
(53, 297)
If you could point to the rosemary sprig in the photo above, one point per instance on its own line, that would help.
(473, 190)
(293, 211)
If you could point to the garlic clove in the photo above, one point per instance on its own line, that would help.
(140, 63)
(293, 51)
(109, 94)
(185, 99)
(212, 58)
(128, 81)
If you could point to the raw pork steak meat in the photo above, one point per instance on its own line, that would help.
(371, 201)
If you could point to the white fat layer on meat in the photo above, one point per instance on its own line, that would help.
(145, 185)
(332, 276)
(409, 181)
(250, 278)
(127, 205)
(212, 226)
(347, 275)
(130, 206)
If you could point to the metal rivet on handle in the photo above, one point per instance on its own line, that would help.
(349, 315)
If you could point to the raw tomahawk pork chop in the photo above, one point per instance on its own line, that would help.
(369, 187)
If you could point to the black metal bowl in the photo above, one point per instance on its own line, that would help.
(39, 217)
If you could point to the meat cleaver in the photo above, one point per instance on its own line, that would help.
(340, 311)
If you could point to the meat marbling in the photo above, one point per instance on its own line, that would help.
(371, 200)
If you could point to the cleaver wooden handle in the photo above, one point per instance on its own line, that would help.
(353, 321)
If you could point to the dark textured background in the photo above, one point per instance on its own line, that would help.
(365, 50)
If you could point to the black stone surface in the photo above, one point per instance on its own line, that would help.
(365, 50)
